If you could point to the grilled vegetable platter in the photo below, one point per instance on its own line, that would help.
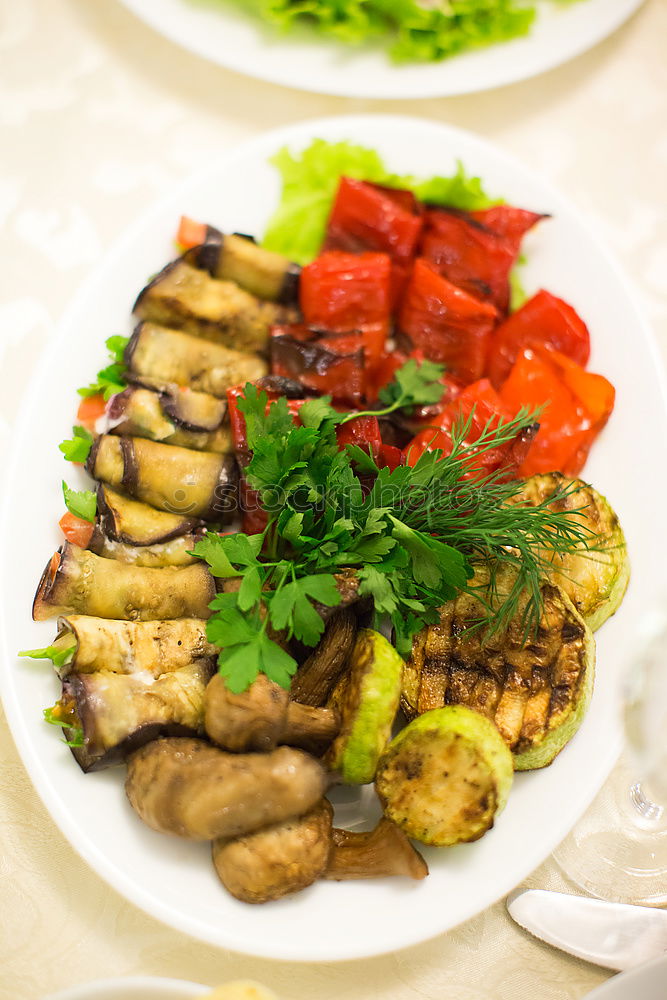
(328, 538)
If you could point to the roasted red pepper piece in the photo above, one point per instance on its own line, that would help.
(389, 457)
(481, 406)
(446, 323)
(543, 321)
(364, 431)
(254, 518)
(469, 255)
(577, 405)
(369, 216)
(510, 223)
(343, 292)
(328, 363)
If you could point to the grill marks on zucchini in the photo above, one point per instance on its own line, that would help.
(536, 690)
(594, 580)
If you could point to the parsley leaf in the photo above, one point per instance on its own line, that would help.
(110, 379)
(415, 384)
(77, 448)
(291, 609)
(81, 503)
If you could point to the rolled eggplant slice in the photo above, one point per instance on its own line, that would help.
(176, 480)
(173, 553)
(120, 519)
(188, 788)
(189, 299)
(76, 581)
(118, 713)
(173, 356)
(124, 647)
(237, 258)
(171, 414)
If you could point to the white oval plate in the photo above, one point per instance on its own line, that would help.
(173, 879)
(647, 982)
(225, 35)
(132, 988)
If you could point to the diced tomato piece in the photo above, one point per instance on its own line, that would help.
(577, 404)
(91, 408)
(76, 530)
(342, 292)
(190, 233)
(510, 223)
(369, 216)
(330, 364)
(543, 321)
(364, 431)
(446, 323)
(469, 255)
(480, 406)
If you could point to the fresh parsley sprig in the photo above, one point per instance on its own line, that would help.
(77, 448)
(81, 503)
(111, 378)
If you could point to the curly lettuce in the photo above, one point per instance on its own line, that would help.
(413, 30)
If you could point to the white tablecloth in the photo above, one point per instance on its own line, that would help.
(98, 116)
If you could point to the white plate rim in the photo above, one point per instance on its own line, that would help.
(179, 989)
(340, 125)
(631, 979)
(520, 59)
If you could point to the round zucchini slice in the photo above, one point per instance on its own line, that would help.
(595, 581)
(445, 777)
(367, 700)
(535, 688)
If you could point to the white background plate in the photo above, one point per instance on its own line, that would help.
(226, 35)
(173, 879)
(132, 988)
(648, 982)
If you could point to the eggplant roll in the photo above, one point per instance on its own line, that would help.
(118, 713)
(76, 581)
(123, 647)
(237, 258)
(173, 479)
(173, 356)
(120, 519)
(189, 299)
(173, 553)
(171, 414)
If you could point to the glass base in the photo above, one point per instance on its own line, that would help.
(618, 850)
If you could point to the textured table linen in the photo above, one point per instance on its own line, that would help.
(98, 116)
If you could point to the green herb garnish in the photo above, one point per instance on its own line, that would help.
(60, 652)
(77, 448)
(110, 379)
(413, 539)
(53, 717)
(81, 503)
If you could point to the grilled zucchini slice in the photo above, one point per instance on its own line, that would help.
(367, 700)
(536, 689)
(445, 777)
(595, 581)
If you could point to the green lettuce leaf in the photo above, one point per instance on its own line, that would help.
(310, 180)
(410, 30)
